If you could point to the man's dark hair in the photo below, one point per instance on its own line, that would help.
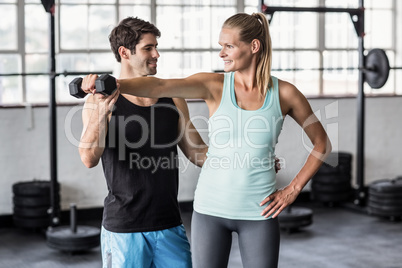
(128, 33)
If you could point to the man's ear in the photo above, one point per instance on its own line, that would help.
(255, 46)
(124, 52)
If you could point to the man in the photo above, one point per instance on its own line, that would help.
(136, 139)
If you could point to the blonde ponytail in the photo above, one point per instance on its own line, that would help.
(252, 27)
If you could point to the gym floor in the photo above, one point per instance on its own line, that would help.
(339, 237)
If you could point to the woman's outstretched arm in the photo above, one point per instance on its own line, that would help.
(197, 86)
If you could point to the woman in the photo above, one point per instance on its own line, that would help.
(236, 189)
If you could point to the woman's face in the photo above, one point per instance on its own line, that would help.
(236, 54)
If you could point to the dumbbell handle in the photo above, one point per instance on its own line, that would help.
(104, 84)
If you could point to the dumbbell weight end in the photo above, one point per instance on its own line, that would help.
(75, 88)
(105, 84)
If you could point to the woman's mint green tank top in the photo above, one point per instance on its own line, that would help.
(239, 171)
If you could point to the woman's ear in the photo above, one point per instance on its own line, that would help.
(255, 46)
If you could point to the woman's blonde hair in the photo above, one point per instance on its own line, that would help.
(255, 26)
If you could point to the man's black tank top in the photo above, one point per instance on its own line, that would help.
(141, 167)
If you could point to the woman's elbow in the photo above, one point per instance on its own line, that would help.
(329, 146)
(326, 147)
(322, 147)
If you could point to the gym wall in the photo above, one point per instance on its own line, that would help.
(24, 143)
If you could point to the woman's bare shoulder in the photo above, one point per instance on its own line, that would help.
(208, 77)
(286, 87)
(290, 97)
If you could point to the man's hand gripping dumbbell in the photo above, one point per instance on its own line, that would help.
(104, 84)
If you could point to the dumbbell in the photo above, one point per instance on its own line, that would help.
(104, 84)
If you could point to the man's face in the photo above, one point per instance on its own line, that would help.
(144, 61)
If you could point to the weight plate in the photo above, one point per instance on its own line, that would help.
(382, 195)
(338, 158)
(331, 187)
(341, 169)
(31, 201)
(62, 238)
(82, 240)
(331, 197)
(386, 186)
(388, 200)
(328, 169)
(381, 212)
(65, 233)
(293, 218)
(73, 247)
(385, 203)
(295, 224)
(31, 212)
(31, 222)
(391, 208)
(32, 188)
(331, 178)
(376, 68)
(295, 213)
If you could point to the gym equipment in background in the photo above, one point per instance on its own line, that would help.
(73, 238)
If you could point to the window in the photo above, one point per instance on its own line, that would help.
(189, 42)
(303, 40)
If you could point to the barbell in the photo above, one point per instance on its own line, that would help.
(65, 73)
(376, 69)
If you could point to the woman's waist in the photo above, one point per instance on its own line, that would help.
(240, 179)
(238, 160)
(231, 201)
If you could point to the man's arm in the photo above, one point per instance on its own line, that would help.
(191, 143)
(96, 113)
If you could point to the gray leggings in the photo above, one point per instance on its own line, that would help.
(211, 240)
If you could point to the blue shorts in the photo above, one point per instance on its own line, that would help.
(165, 248)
